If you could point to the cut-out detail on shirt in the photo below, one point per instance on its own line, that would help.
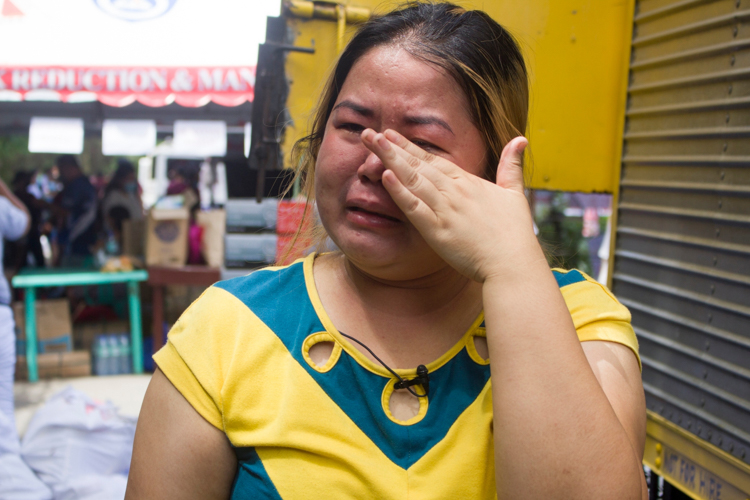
(321, 351)
(401, 406)
(480, 344)
(477, 348)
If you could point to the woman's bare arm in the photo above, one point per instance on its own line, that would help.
(616, 369)
(569, 418)
(177, 454)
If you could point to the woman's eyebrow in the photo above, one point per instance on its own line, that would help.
(411, 120)
(366, 112)
(428, 120)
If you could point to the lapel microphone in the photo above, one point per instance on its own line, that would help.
(422, 378)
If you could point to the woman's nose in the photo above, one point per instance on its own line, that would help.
(371, 170)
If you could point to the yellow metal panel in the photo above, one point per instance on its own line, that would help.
(701, 470)
(575, 52)
(307, 74)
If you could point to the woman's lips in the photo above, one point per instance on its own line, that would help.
(371, 212)
(363, 217)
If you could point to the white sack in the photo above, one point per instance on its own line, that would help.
(17, 481)
(94, 487)
(72, 440)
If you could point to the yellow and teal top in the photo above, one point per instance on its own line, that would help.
(240, 356)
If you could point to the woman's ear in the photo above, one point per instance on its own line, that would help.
(510, 168)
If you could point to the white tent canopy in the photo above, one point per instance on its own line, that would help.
(118, 51)
(189, 33)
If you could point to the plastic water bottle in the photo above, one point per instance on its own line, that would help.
(125, 353)
(101, 355)
(113, 361)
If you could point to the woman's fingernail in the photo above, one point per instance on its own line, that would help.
(367, 134)
(383, 142)
(391, 135)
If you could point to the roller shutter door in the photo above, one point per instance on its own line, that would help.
(682, 254)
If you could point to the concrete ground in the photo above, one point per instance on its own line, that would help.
(125, 391)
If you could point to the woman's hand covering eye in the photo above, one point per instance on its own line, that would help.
(477, 227)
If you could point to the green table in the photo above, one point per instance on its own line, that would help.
(31, 279)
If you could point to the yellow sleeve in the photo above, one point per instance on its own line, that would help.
(598, 315)
(196, 355)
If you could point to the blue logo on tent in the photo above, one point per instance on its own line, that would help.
(135, 10)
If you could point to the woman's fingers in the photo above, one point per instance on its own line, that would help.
(409, 170)
(414, 150)
(510, 169)
(415, 209)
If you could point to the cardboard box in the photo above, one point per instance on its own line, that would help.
(85, 333)
(60, 344)
(52, 319)
(167, 237)
(134, 237)
(214, 224)
(57, 364)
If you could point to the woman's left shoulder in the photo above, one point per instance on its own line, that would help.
(587, 299)
(596, 312)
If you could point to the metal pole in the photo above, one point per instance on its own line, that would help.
(30, 300)
(136, 333)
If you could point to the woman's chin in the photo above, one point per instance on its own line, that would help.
(391, 262)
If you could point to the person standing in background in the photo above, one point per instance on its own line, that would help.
(77, 207)
(184, 181)
(16, 479)
(14, 224)
(33, 245)
(122, 199)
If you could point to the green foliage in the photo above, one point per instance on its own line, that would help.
(561, 237)
(15, 156)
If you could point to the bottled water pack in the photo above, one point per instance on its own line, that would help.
(112, 354)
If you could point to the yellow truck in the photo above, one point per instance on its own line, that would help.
(648, 100)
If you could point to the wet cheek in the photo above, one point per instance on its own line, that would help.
(330, 185)
(329, 176)
(337, 166)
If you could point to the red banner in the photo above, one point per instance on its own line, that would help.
(191, 87)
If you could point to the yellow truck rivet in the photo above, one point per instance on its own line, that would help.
(658, 462)
(658, 448)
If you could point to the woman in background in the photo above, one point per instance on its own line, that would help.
(122, 199)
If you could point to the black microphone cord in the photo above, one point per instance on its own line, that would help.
(422, 378)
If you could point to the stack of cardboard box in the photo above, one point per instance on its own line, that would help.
(56, 357)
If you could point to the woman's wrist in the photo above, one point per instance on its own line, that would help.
(515, 264)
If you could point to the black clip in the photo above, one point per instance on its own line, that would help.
(422, 378)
